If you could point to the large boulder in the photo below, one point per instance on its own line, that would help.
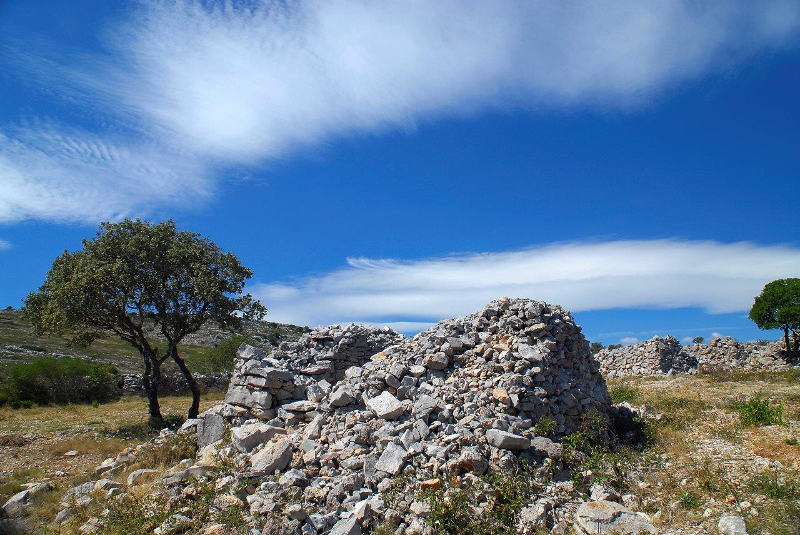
(610, 518)
(275, 456)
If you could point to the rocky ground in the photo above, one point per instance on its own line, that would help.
(495, 423)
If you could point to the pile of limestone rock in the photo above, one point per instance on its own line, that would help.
(461, 398)
(299, 370)
(666, 356)
(300, 452)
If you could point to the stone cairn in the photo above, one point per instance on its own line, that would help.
(461, 397)
(666, 356)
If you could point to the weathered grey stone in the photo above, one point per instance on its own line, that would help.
(386, 406)
(301, 405)
(545, 446)
(106, 484)
(17, 505)
(392, 459)
(731, 525)
(341, 397)
(293, 478)
(506, 440)
(275, 456)
(138, 476)
(260, 399)
(436, 361)
(423, 406)
(246, 437)
(610, 518)
(64, 515)
(210, 428)
(348, 526)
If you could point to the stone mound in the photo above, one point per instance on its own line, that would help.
(461, 397)
(665, 356)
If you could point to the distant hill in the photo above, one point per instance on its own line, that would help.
(19, 343)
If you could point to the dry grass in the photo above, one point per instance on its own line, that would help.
(707, 459)
(33, 441)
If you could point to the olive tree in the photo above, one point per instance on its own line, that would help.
(149, 284)
(778, 307)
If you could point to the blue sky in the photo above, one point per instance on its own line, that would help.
(400, 162)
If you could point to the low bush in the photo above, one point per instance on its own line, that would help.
(623, 393)
(758, 411)
(48, 380)
(544, 426)
(501, 496)
(772, 485)
(220, 359)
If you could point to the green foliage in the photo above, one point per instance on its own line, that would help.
(614, 346)
(623, 393)
(47, 380)
(758, 411)
(698, 340)
(544, 426)
(454, 506)
(134, 275)
(778, 307)
(221, 357)
(591, 436)
(772, 485)
(689, 500)
(596, 347)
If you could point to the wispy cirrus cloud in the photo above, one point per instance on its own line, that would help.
(4, 245)
(190, 87)
(717, 277)
(51, 172)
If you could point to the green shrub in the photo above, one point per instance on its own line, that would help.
(623, 393)
(591, 436)
(758, 411)
(773, 486)
(48, 380)
(689, 500)
(221, 358)
(455, 506)
(544, 426)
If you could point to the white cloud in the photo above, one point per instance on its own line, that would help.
(4, 245)
(238, 82)
(245, 83)
(715, 334)
(629, 340)
(717, 277)
(48, 172)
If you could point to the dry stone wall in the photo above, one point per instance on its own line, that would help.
(461, 397)
(665, 356)
(300, 370)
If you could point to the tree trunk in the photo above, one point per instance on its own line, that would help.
(151, 380)
(195, 408)
(786, 340)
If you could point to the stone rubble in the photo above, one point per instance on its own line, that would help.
(460, 398)
(666, 356)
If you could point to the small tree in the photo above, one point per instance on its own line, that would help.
(778, 307)
(135, 277)
(596, 347)
(697, 340)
